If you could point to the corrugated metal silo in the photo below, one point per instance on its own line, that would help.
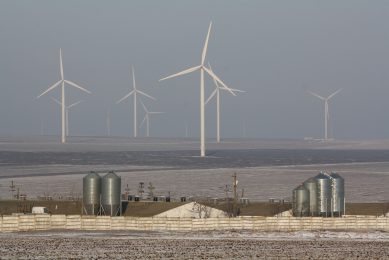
(110, 194)
(337, 194)
(301, 201)
(311, 186)
(324, 194)
(91, 189)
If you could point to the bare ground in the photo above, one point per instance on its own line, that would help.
(193, 246)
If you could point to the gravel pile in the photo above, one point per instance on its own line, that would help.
(148, 246)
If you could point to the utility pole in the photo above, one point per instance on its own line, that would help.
(12, 189)
(235, 185)
(141, 189)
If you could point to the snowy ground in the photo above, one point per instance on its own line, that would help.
(365, 182)
(89, 144)
(203, 245)
(265, 168)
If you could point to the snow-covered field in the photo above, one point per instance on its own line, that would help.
(265, 168)
(93, 144)
(365, 182)
(203, 245)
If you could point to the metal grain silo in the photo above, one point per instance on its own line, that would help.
(91, 187)
(110, 194)
(337, 194)
(301, 201)
(311, 186)
(323, 194)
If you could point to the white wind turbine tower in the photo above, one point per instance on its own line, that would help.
(108, 122)
(217, 93)
(134, 92)
(202, 68)
(62, 82)
(326, 112)
(67, 112)
(147, 118)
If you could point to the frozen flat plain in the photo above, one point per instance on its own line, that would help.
(197, 245)
(265, 168)
(365, 182)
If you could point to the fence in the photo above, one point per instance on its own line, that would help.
(77, 222)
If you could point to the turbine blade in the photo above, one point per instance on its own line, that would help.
(56, 101)
(50, 88)
(206, 44)
(143, 121)
(182, 72)
(211, 96)
(146, 95)
(155, 113)
(333, 94)
(237, 90)
(126, 96)
(214, 81)
(60, 61)
(77, 86)
(209, 65)
(316, 95)
(133, 78)
(213, 75)
(74, 104)
(217, 84)
(143, 105)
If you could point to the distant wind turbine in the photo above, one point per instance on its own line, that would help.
(108, 122)
(62, 82)
(134, 92)
(326, 111)
(202, 68)
(147, 118)
(66, 112)
(217, 93)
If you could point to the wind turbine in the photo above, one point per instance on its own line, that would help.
(202, 68)
(108, 122)
(66, 112)
(217, 93)
(326, 112)
(147, 118)
(62, 82)
(134, 92)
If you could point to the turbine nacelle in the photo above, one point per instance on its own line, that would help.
(135, 90)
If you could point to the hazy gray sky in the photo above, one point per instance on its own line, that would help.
(274, 50)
